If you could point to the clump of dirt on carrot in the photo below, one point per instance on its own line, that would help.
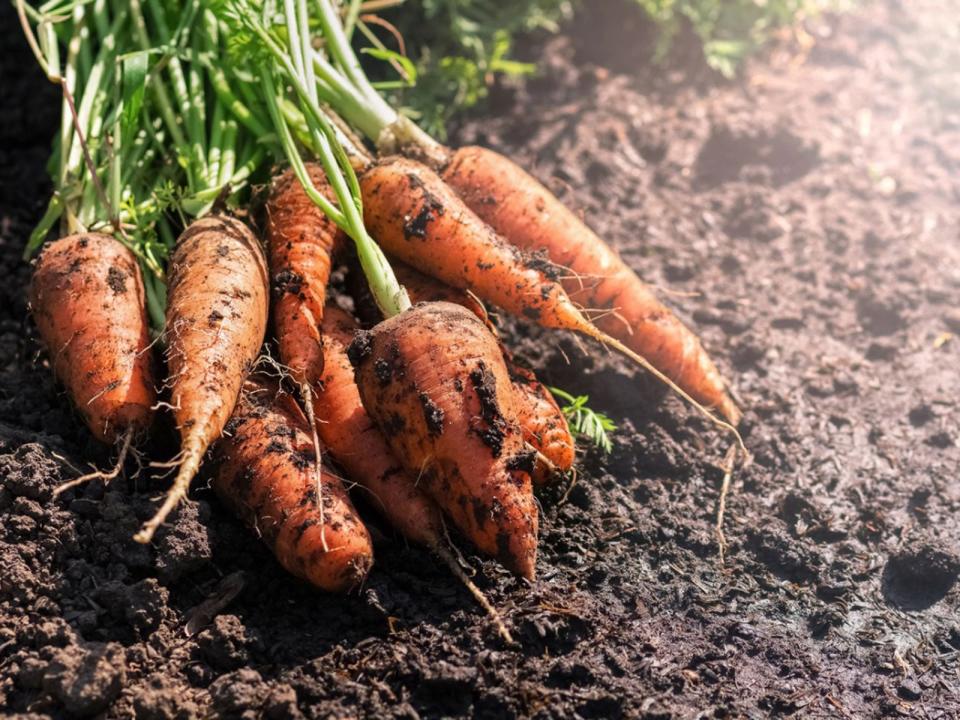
(265, 476)
(216, 322)
(87, 299)
(434, 381)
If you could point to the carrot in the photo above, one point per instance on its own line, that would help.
(543, 424)
(527, 214)
(434, 381)
(358, 446)
(87, 299)
(301, 240)
(417, 217)
(216, 321)
(264, 476)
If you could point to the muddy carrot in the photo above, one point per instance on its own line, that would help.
(359, 447)
(357, 444)
(543, 424)
(264, 475)
(301, 241)
(87, 299)
(216, 321)
(434, 381)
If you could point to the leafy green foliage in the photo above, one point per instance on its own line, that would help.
(461, 44)
(585, 422)
(728, 29)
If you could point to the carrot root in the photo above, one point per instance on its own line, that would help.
(189, 466)
(451, 562)
(107, 475)
(306, 394)
(588, 329)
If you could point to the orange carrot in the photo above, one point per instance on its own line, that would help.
(264, 475)
(434, 381)
(301, 241)
(543, 424)
(216, 321)
(357, 445)
(417, 217)
(527, 214)
(87, 299)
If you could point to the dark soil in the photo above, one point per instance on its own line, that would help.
(804, 220)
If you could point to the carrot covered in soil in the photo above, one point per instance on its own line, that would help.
(301, 241)
(357, 444)
(544, 426)
(216, 321)
(264, 475)
(359, 447)
(87, 299)
(417, 217)
(434, 381)
(520, 208)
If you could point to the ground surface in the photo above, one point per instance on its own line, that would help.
(806, 223)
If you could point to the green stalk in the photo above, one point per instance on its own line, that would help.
(390, 297)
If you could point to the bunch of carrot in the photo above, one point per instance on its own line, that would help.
(421, 406)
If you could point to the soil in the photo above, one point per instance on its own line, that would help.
(803, 219)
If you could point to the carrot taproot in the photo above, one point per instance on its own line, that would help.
(434, 381)
(360, 448)
(87, 299)
(417, 217)
(543, 424)
(357, 445)
(520, 208)
(301, 242)
(216, 322)
(264, 476)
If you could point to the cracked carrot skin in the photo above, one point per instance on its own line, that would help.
(544, 425)
(265, 475)
(520, 208)
(88, 302)
(353, 440)
(301, 242)
(435, 383)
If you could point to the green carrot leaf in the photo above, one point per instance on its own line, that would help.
(134, 68)
(409, 69)
(585, 422)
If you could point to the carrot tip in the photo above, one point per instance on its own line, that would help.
(176, 493)
(105, 475)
